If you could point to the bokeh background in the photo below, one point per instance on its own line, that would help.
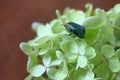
(16, 17)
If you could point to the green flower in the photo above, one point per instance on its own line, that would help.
(110, 62)
(77, 49)
(65, 57)
(48, 66)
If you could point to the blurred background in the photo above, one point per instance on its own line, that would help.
(16, 17)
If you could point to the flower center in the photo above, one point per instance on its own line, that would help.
(78, 54)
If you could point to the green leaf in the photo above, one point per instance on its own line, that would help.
(114, 64)
(102, 72)
(82, 61)
(46, 60)
(32, 61)
(26, 48)
(107, 50)
(62, 72)
(38, 70)
(90, 52)
(93, 22)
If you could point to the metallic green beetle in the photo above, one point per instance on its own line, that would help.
(76, 29)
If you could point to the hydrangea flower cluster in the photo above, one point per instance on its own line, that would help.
(55, 55)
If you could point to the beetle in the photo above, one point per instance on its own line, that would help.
(76, 29)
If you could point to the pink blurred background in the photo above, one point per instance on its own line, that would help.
(16, 17)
